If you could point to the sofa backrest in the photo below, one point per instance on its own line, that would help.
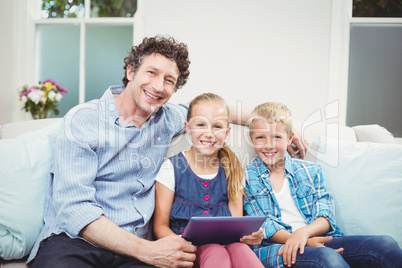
(238, 139)
(12, 130)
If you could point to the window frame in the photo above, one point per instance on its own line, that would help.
(27, 19)
(341, 21)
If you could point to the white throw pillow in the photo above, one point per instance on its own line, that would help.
(373, 133)
(366, 181)
(24, 171)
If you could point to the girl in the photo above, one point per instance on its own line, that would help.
(206, 181)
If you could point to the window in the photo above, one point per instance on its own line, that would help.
(375, 61)
(98, 8)
(83, 49)
(377, 8)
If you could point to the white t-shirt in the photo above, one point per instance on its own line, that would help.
(290, 213)
(166, 175)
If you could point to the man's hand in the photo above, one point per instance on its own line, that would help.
(170, 251)
(298, 143)
(254, 239)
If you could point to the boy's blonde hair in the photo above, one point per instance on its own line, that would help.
(272, 112)
(230, 162)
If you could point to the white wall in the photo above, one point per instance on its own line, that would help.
(246, 51)
(250, 51)
(8, 94)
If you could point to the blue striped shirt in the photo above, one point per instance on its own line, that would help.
(104, 168)
(308, 190)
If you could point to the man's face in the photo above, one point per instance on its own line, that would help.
(270, 143)
(153, 83)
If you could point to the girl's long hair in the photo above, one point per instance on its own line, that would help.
(230, 162)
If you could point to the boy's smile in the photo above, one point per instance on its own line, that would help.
(270, 143)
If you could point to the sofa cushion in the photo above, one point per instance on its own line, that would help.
(373, 133)
(366, 181)
(24, 168)
(311, 131)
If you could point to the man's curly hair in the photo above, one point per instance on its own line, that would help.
(166, 46)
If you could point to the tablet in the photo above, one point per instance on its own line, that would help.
(220, 230)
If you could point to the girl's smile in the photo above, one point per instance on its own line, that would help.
(208, 128)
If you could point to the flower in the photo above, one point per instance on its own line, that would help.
(40, 99)
(36, 96)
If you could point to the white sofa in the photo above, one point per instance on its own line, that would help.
(362, 166)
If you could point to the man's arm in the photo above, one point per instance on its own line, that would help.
(171, 251)
(240, 116)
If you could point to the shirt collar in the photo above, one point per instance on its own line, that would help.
(111, 108)
(288, 164)
(110, 105)
(264, 170)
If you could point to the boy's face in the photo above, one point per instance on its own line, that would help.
(270, 143)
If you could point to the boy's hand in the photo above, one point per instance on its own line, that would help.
(319, 242)
(254, 239)
(296, 241)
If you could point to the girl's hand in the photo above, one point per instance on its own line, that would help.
(296, 241)
(254, 239)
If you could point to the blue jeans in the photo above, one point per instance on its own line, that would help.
(63, 252)
(359, 251)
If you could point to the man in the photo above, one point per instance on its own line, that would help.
(100, 197)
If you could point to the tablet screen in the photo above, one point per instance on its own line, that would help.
(221, 230)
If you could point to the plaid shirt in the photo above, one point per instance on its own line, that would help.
(308, 191)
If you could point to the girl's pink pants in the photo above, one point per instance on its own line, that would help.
(232, 255)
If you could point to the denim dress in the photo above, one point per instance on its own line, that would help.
(196, 197)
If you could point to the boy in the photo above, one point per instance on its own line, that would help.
(299, 209)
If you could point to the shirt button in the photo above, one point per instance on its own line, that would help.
(206, 212)
(206, 198)
(206, 184)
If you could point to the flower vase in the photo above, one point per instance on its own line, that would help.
(40, 114)
(42, 98)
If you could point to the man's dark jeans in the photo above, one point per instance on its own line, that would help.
(62, 251)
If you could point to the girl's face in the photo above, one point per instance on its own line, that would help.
(270, 143)
(208, 127)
